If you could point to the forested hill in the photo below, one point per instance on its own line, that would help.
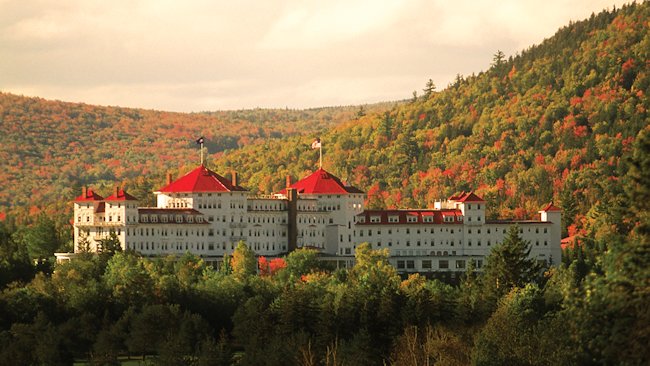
(553, 123)
(48, 149)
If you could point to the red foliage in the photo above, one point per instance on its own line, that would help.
(277, 264)
(580, 131)
(263, 266)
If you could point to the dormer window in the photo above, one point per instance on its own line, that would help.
(375, 219)
(412, 219)
(428, 218)
(362, 219)
(393, 219)
(144, 218)
(163, 218)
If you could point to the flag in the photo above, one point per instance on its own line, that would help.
(315, 144)
(200, 140)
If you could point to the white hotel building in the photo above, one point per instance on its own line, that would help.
(206, 214)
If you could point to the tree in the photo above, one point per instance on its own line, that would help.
(41, 238)
(429, 89)
(498, 60)
(518, 333)
(128, 280)
(301, 262)
(415, 96)
(111, 245)
(508, 266)
(361, 112)
(14, 259)
(243, 261)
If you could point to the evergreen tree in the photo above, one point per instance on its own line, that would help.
(508, 266)
(429, 89)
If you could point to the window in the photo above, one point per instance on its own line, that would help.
(400, 264)
(426, 264)
(375, 219)
(443, 264)
(460, 264)
(410, 264)
(411, 218)
(362, 219)
(393, 219)
(428, 218)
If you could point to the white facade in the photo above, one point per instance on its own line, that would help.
(206, 215)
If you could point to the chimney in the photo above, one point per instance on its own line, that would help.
(169, 178)
(116, 191)
(84, 192)
(288, 181)
(234, 178)
(292, 213)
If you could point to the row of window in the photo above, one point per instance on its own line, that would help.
(426, 264)
(180, 246)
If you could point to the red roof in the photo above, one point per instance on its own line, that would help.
(551, 207)
(322, 182)
(121, 195)
(201, 179)
(89, 195)
(466, 197)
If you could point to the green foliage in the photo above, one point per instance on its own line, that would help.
(243, 261)
(127, 280)
(509, 266)
(42, 238)
(15, 264)
(109, 246)
(301, 262)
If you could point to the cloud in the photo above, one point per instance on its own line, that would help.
(307, 25)
(202, 54)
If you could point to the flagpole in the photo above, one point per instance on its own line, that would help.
(201, 152)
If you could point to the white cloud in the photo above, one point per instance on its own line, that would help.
(204, 54)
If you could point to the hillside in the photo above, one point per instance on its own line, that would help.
(48, 149)
(553, 123)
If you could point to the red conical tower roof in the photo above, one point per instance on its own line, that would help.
(201, 179)
(322, 182)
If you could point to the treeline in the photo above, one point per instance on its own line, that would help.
(54, 147)
(553, 123)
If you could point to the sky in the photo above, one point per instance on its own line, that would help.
(192, 55)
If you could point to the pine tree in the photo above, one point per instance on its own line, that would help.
(509, 266)
(429, 89)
